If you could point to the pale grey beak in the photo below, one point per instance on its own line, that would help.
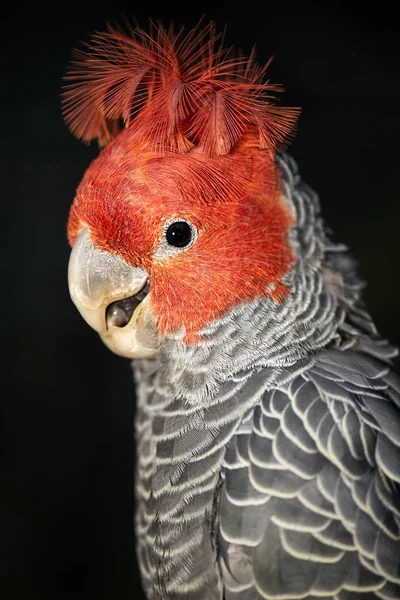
(113, 299)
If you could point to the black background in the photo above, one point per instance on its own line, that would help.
(67, 402)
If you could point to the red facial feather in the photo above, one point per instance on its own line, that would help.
(193, 151)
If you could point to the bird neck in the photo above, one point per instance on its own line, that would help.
(324, 297)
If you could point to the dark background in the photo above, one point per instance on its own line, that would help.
(67, 402)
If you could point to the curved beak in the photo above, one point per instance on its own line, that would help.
(113, 299)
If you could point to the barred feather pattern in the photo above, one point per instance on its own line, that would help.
(269, 452)
(310, 506)
(173, 90)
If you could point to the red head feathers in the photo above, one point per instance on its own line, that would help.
(177, 91)
(190, 133)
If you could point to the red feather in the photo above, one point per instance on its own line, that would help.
(175, 91)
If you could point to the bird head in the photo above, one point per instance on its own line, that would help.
(181, 218)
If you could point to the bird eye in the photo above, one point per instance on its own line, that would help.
(179, 234)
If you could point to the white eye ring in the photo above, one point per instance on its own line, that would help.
(179, 233)
(177, 239)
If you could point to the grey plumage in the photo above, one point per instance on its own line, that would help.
(337, 523)
(269, 453)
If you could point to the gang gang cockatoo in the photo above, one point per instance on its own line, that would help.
(268, 410)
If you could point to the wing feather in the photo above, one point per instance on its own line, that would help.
(314, 509)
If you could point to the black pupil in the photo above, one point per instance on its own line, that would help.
(179, 234)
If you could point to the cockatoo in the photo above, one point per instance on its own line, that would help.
(268, 408)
